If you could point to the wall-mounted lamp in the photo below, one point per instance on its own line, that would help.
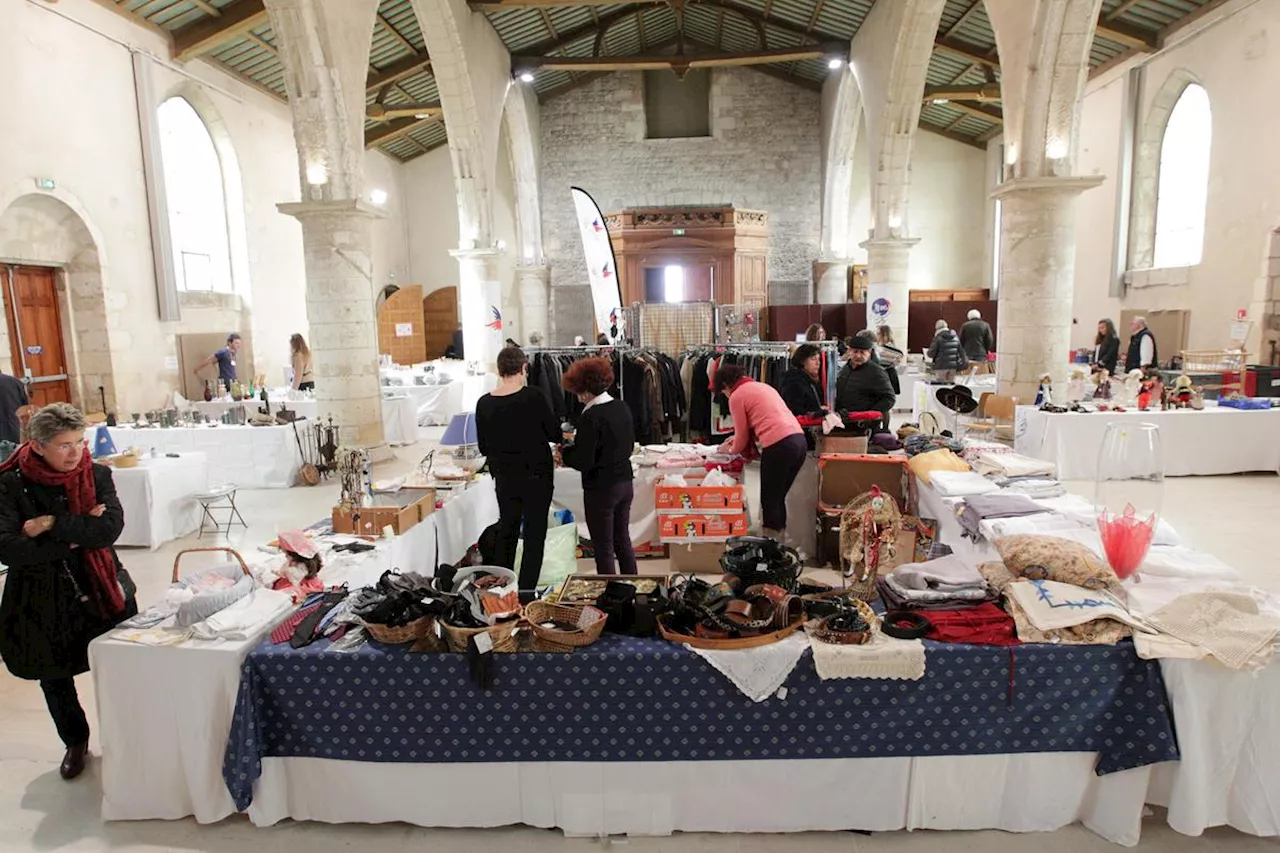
(317, 174)
(1056, 148)
(378, 197)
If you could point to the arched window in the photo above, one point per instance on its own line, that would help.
(196, 201)
(1184, 180)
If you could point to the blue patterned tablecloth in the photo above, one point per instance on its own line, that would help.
(648, 700)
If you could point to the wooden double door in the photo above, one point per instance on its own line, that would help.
(34, 319)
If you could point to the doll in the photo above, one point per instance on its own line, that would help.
(1044, 396)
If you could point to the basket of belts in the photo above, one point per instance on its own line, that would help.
(716, 616)
(485, 601)
(869, 527)
(847, 626)
(558, 627)
(399, 609)
(759, 560)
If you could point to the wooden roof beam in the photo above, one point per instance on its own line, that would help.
(397, 71)
(654, 62)
(209, 33)
(576, 34)
(485, 5)
(963, 19)
(948, 133)
(395, 129)
(966, 51)
(986, 113)
(980, 92)
(1128, 36)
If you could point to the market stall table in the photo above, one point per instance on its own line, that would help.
(924, 396)
(1218, 440)
(399, 412)
(250, 457)
(163, 712)
(157, 498)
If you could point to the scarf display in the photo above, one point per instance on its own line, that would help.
(82, 496)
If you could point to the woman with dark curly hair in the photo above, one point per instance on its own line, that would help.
(601, 450)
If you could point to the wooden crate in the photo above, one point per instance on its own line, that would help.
(400, 511)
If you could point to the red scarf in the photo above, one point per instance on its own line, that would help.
(82, 496)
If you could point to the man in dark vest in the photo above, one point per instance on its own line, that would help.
(1142, 347)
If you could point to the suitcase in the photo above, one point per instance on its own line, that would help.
(844, 476)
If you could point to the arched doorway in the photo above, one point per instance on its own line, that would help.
(55, 334)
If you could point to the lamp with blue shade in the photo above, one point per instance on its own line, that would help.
(102, 443)
(461, 436)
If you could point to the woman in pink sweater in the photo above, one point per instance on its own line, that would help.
(760, 416)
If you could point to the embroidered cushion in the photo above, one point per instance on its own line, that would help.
(1041, 557)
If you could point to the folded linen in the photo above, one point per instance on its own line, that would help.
(944, 574)
(976, 508)
(882, 657)
(897, 597)
(1006, 464)
(246, 618)
(959, 484)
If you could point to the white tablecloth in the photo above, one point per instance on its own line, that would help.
(1214, 441)
(437, 404)
(399, 412)
(249, 457)
(164, 713)
(644, 514)
(1227, 725)
(924, 396)
(157, 498)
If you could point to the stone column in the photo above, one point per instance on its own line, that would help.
(337, 246)
(532, 285)
(831, 280)
(888, 266)
(479, 300)
(1037, 268)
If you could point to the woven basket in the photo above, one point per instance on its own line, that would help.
(502, 634)
(882, 510)
(410, 633)
(728, 644)
(541, 611)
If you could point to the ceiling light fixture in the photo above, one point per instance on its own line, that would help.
(526, 76)
(378, 197)
(942, 100)
(835, 62)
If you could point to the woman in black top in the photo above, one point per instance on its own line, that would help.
(601, 450)
(515, 428)
(1106, 348)
(799, 387)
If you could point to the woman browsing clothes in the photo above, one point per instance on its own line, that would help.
(761, 417)
(515, 430)
(59, 518)
(304, 377)
(601, 450)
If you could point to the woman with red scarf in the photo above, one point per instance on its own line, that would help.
(59, 517)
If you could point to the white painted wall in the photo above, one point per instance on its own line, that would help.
(1239, 67)
(75, 96)
(948, 212)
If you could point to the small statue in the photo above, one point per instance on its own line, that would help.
(1075, 384)
(1044, 396)
(1103, 380)
(1132, 385)
(1183, 392)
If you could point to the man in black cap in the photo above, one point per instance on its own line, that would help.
(862, 384)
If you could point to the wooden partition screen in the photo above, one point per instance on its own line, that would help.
(440, 318)
(922, 315)
(401, 331)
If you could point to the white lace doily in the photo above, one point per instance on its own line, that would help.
(758, 672)
(882, 657)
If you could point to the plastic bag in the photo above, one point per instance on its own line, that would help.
(716, 477)
(560, 556)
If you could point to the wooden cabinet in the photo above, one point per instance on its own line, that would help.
(724, 247)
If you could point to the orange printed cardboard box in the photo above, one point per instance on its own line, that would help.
(683, 528)
(699, 498)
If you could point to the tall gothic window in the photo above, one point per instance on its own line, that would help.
(1184, 180)
(196, 201)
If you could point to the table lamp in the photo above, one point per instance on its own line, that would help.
(102, 443)
(461, 436)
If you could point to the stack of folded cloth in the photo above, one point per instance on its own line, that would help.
(977, 508)
(1006, 463)
(1032, 487)
(947, 583)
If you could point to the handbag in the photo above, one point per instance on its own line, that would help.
(90, 612)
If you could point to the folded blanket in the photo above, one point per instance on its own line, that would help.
(976, 508)
(959, 484)
(948, 573)
(246, 618)
(897, 597)
(1011, 464)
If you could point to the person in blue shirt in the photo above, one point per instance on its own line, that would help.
(226, 359)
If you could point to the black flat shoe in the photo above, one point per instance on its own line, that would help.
(73, 762)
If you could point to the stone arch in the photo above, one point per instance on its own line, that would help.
(232, 181)
(1146, 167)
(1044, 59)
(51, 228)
(517, 120)
(840, 138)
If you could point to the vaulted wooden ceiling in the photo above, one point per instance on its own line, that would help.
(564, 43)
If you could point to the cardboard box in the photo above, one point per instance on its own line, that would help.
(856, 444)
(698, 498)
(843, 477)
(683, 528)
(696, 557)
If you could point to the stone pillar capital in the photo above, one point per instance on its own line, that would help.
(337, 207)
(889, 243)
(481, 255)
(1064, 185)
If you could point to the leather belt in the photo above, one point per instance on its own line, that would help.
(847, 629)
(905, 625)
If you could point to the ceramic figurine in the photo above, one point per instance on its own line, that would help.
(1076, 385)
(1044, 396)
(1183, 391)
(1103, 391)
(1132, 385)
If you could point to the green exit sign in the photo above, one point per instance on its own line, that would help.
(677, 232)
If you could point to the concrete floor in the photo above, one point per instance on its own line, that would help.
(1226, 516)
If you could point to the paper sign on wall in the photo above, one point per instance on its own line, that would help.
(404, 330)
(170, 362)
(878, 305)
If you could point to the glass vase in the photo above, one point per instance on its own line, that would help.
(1129, 493)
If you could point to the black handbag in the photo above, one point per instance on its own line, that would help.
(631, 613)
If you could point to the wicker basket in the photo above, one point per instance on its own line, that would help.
(410, 633)
(542, 611)
(727, 644)
(177, 561)
(502, 634)
(877, 508)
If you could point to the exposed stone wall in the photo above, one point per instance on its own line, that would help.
(764, 154)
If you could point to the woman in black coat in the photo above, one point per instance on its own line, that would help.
(799, 386)
(1106, 348)
(59, 518)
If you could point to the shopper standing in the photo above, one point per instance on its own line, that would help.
(945, 353)
(601, 450)
(515, 430)
(304, 377)
(13, 396)
(59, 518)
(761, 417)
(800, 387)
(976, 338)
(863, 385)
(226, 360)
(1106, 348)
(815, 333)
(1142, 346)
